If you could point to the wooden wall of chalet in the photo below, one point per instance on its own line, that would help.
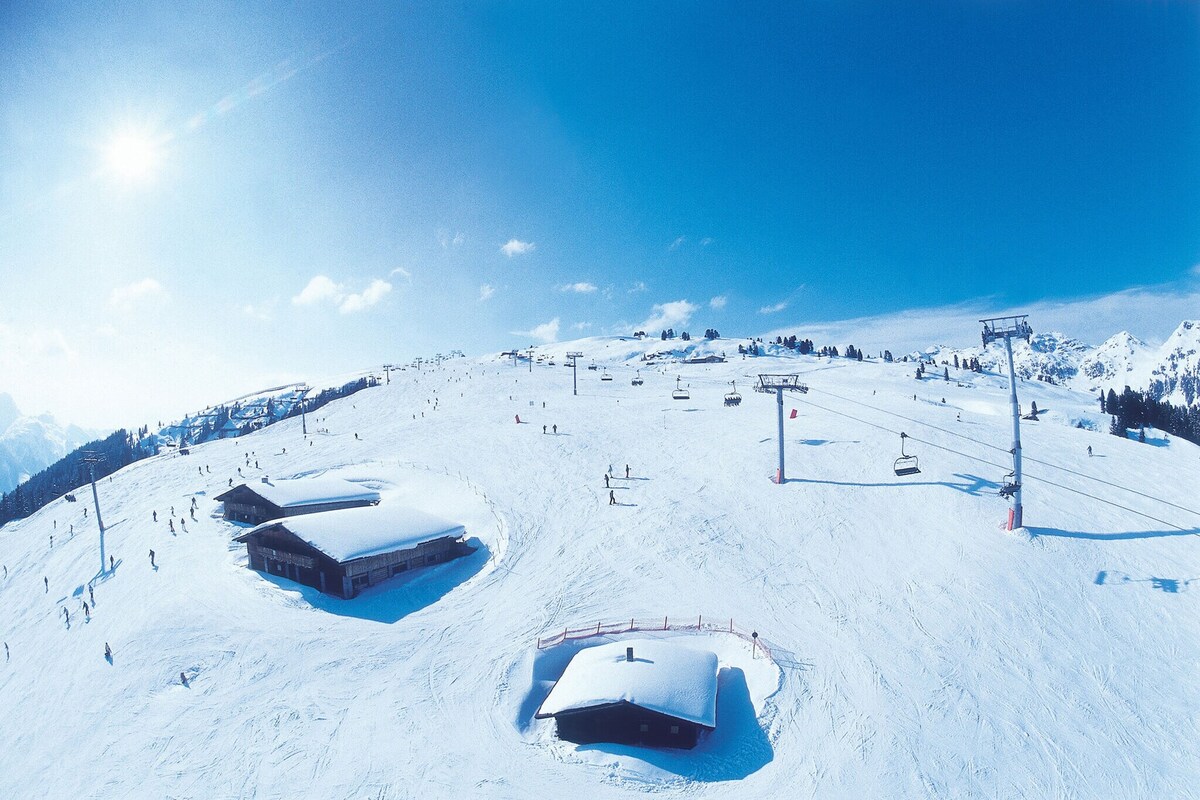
(277, 551)
(625, 723)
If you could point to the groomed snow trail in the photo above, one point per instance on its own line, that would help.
(928, 652)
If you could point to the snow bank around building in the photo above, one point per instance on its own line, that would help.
(740, 744)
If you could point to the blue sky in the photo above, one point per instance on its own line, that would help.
(200, 202)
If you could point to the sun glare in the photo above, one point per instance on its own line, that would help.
(133, 157)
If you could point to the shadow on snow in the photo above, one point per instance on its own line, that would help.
(396, 598)
(1168, 585)
(1108, 537)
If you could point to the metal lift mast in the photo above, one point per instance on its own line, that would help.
(1008, 328)
(778, 383)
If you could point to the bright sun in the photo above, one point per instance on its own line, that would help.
(133, 157)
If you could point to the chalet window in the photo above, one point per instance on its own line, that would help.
(432, 558)
(359, 581)
(644, 727)
(398, 568)
(674, 730)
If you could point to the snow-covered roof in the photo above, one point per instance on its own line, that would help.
(664, 677)
(367, 531)
(291, 492)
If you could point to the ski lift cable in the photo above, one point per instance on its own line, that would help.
(1027, 475)
(1025, 456)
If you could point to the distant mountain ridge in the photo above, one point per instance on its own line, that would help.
(1170, 373)
(30, 444)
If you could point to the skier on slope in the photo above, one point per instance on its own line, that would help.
(612, 498)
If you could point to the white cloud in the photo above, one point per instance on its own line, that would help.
(579, 288)
(376, 291)
(675, 245)
(546, 332)
(515, 247)
(402, 272)
(261, 311)
(638, 288)
(668, 315)
(706, 241)
(775, 309)
(718, 302)
(486, 291)
(581, 326)
(125, 298)
(33, 348)
(322, 289)
(1196, 270)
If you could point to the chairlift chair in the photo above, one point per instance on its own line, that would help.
(1010, 485)
(733, 398)
(605, 376)
(905, 464)
(637, 379)
(680, 392)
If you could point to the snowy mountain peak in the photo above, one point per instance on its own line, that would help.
(8, 411)
(1176, 378)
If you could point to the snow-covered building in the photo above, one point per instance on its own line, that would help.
(646, 692)
(343, 552)
(259, 502)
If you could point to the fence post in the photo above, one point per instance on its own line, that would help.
(731, 624)
(699, 622)
(664, 623)
(597, 628)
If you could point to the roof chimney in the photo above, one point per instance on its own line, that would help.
(629, 654)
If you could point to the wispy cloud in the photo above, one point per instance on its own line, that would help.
(486, 291)
(322, 289)
(33, 348)
(402, 272)
(782, 304)
(546, 332)
(447, 241)
(579, 288)
(147, 290)
(706, 241)
(675, 245)
(263, 311)
(581, 326)
(515, 247)
(638, 288)
(718, 302)
(668, 315)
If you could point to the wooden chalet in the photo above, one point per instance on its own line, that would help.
(343, 552)
(649, 692)
(258, 502)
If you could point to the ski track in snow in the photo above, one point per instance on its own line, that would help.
(926, 652)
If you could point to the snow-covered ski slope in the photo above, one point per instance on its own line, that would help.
(923, 650)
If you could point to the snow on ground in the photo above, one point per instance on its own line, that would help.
(922, 649)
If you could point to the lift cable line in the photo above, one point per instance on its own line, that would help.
(1000, 449)
(1047, 481)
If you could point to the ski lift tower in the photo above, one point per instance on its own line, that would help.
(574, 382)
(92, 458)
(780, 383)
(1008, 328)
